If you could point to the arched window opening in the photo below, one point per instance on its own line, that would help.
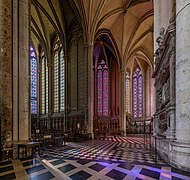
(59, 76)
(44, 84)
(137, 93)
(33, 71)
(127, 92)
(103, 85)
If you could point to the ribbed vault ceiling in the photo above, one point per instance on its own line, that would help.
(129, 21)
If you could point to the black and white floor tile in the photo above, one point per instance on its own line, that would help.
(127, 158)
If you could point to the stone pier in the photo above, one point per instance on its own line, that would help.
(181, 147)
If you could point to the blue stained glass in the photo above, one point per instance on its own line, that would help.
(33, 70)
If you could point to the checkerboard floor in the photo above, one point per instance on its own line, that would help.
(116, 158)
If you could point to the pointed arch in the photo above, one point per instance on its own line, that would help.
(58, 75)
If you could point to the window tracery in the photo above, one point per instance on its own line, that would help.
(137, 93)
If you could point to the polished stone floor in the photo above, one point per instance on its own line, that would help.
(128, 158)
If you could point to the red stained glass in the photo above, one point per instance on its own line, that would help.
(103, 86)
(137, 94)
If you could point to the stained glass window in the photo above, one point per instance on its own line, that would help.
(127, 91)
(62, 81)
(56, 82)
(59, 76)
(44, 84)
(47, 88)
(33, 71)
(103, 86)
(137, 93)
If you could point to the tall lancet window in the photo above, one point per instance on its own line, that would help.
(59, 76)
(33, 71)
(103, 86)
(137, 93)
(127, 91)
(44, 84)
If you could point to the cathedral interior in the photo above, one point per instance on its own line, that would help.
(95, 89)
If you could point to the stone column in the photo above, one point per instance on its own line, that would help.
(23, 74)
(6, 71)
(122, 112)
(15, 72)
(21, 103)
(89, 89)
(153, 96)
(181, 148)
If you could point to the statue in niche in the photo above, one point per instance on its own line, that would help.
(160, 39)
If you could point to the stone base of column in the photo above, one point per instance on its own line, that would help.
(124, 133)
(180, 155)
(90, 136)
(170, 134)
(162, 147)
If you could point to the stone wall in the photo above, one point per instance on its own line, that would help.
(6, 70)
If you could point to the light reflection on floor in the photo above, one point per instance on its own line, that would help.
(107, 158)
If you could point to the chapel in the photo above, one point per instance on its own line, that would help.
(95, 89)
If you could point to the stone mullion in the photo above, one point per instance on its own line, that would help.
(59, 74)
(49, 66)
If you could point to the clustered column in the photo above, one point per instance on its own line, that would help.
(89, 90)
(122, 103)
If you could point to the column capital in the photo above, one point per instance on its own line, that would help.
(66, 56)
(90, 45)
(122, 70)
(49, 65)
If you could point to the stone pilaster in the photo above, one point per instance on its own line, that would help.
(122, 112)
(6, 71)
(21, 102)
(181, 147)
(23, 74)
(15, 72)
(89, 87)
